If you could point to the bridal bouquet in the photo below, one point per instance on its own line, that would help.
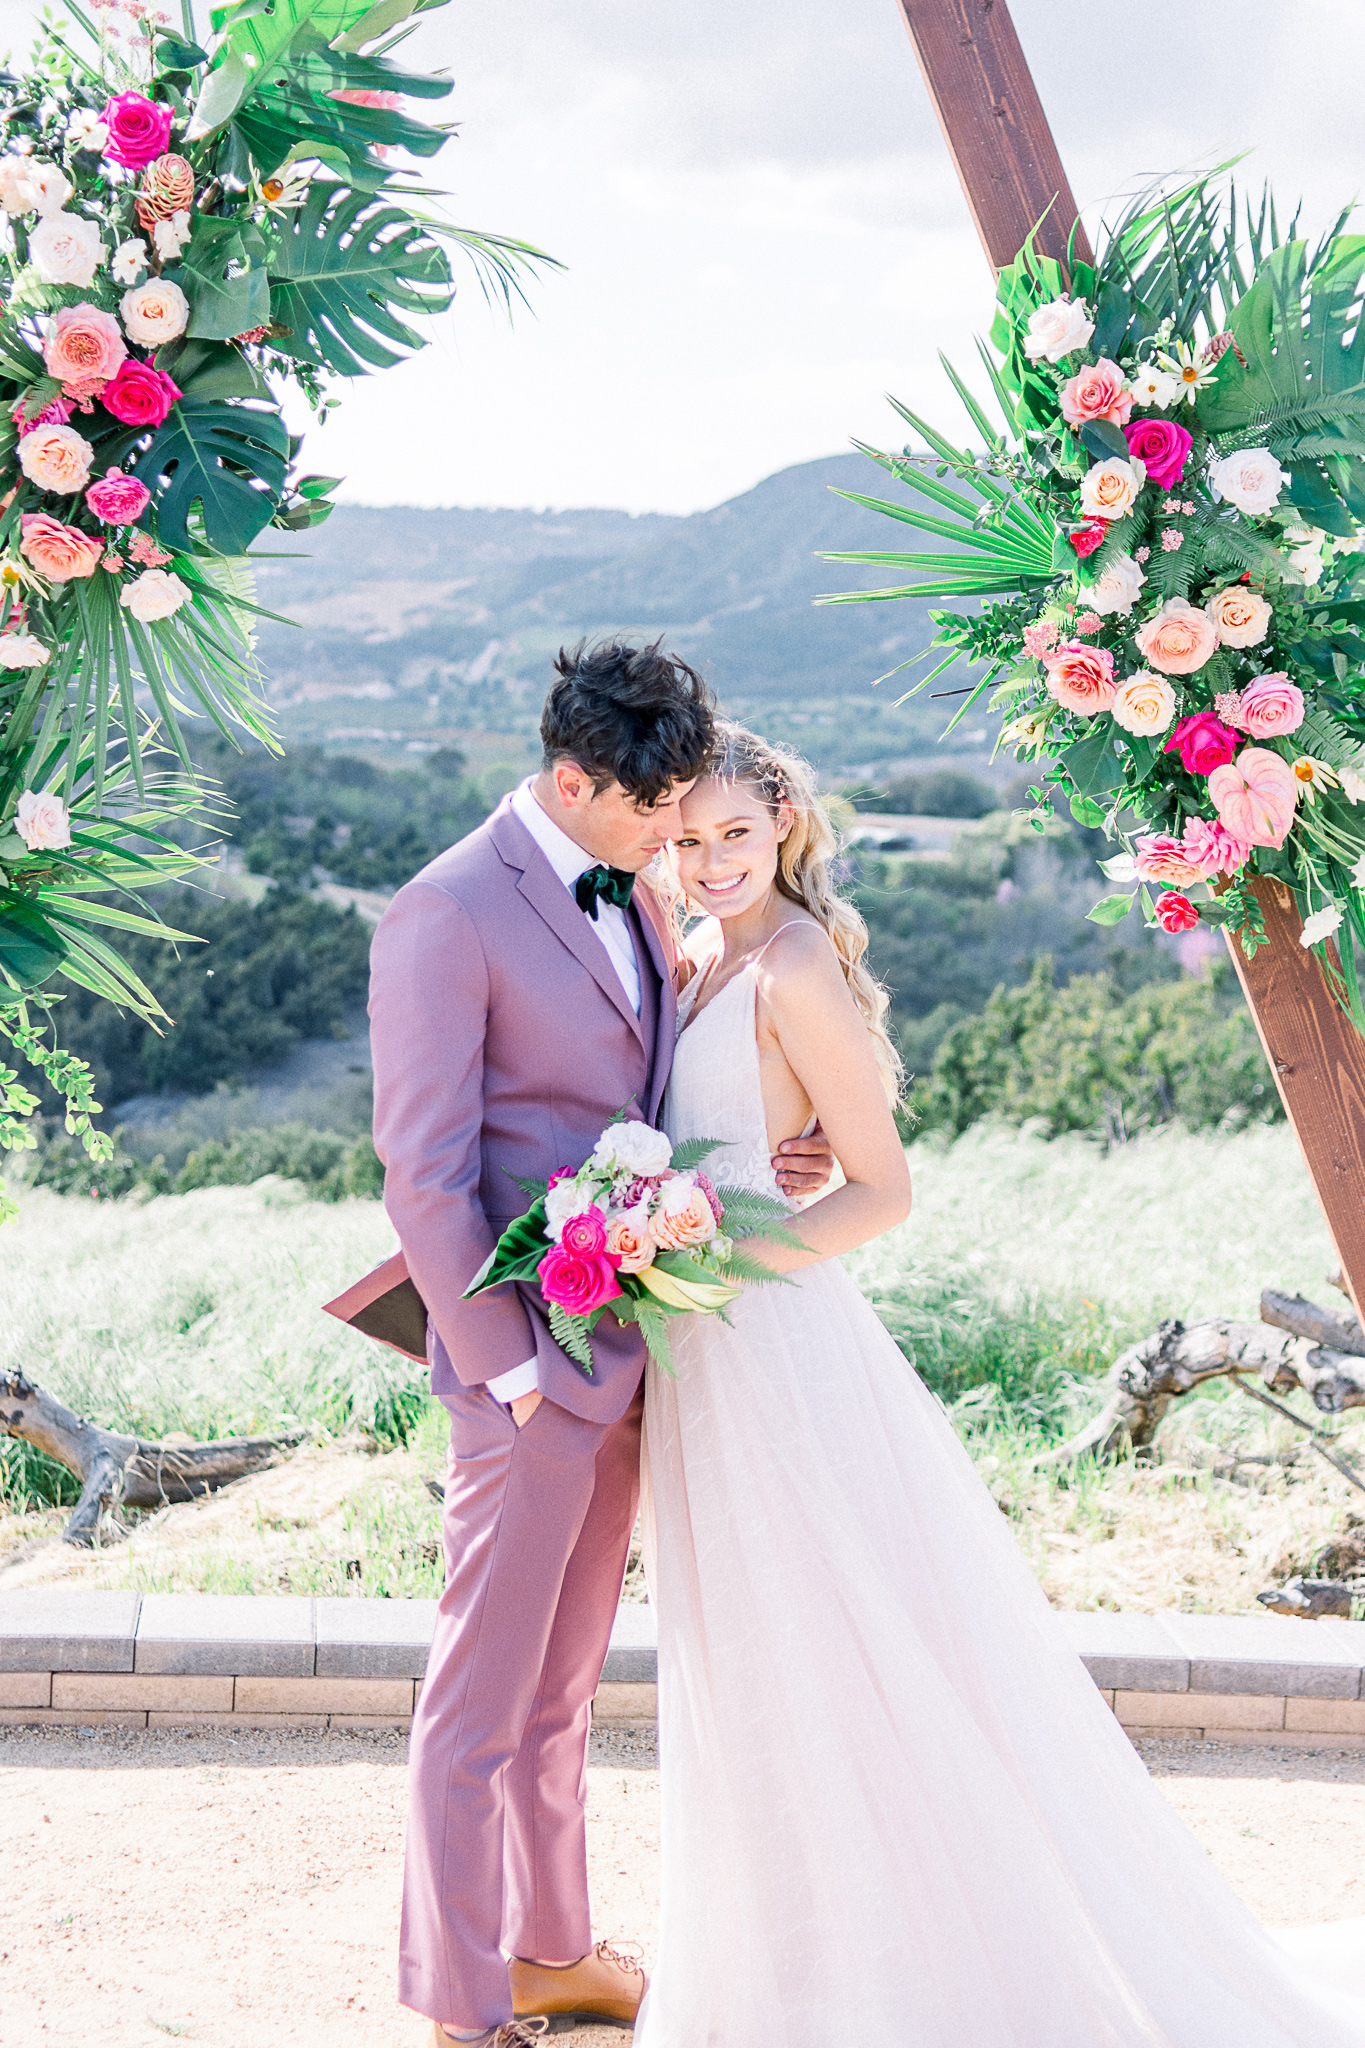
(637, 1230)
(1166, 541)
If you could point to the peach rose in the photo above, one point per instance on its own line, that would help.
(1179, 639)
(1081, 678)
(629, 1241)
(1165, 860)
(1270, 707)
(61, 553)
(1143, 704)
(1098, 393)
(155, 312)
(1255, 796)
(683, 1217)
(83, 349)
(1109, 490)
(56, 458)
(1240, 616)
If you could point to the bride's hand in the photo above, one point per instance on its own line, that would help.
(803, 1165)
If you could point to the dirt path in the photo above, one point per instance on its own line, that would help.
(241, 1891)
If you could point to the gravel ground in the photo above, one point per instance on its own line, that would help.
(241, 1891)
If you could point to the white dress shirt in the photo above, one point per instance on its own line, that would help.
(569, 861)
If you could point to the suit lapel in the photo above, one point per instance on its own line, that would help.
(544, 891)
(661, 949)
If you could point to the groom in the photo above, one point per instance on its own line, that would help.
(521, 992)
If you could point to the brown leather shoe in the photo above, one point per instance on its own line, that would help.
(603, 1988)
(512, 2034)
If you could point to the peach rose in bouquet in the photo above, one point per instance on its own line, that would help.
(1110, 489)
(1241, 617)
(61, 553)
(83, 349)
(1081, 678)
(1097, 393)
(56, 458)
(155, 312)
(1143, 704)
(684, 1216)
(629, 1241)
(1179, 640)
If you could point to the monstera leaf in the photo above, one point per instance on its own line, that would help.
(345, 261)
(255, 38)
(227, 461)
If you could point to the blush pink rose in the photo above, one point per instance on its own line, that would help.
(1203, 743)
(137, 130)
(1163, 859)
(578, 1284)
(1255, 796)
(118, 499)
(55, 413)
(1179, 640)
(1271, 706)
(1175, 913)
(586, 1233)
(139, 395)
(61, 553)
(1212, 848)
(1081, 678)
(1163, 446)
(684, 1216)
(629, 1242)
(1097, 393)
(83, 349)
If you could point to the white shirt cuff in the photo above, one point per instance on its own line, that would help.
(510, 1386)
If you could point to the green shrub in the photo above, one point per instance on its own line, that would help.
(330, 1166)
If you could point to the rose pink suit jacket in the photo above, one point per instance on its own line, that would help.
(503, 1043)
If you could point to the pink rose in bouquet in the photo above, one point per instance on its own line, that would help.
(629, 1242)
(1255, 797)
(1081, 678)
(1179, 640)
(117, 499)
(684, 1216)
(578, 1283)
(1212, 848)
(1271, 706)
(138, 130)
(585, 1234)
(55, 413)
(139, 395)
(1163, 446)
(83, 349)
(1097, 393)
(58, 552)
(1163, 859)
(1203, 743)
(1175, 913)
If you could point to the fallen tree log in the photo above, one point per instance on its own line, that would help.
(125, 1471)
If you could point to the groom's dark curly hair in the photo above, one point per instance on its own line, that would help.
(632, 715)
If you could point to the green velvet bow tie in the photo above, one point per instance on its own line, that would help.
(613, 883)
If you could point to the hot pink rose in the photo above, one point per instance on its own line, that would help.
(1179, 640)
(55, 413)
(1255, 796)
(1081, 678)
(1203, 743)
(1212, 848)
(1175, 913)
(83, 349)
(117, 499)
(138, 130)
(1163, 859)
(585, 1234)
(578, 1284)
(1163, 446)
(58, 552)
(561, 1173)
(1088, 537)
(139, 395)
(1097, 393)
(1271, 706)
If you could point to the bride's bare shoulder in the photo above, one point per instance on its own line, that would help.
(800, 954)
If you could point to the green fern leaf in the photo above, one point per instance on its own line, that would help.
(570, 1335)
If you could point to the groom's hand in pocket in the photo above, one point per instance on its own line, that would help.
(803, 1165)
(524, 1407)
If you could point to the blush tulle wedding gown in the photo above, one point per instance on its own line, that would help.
(896, 1809)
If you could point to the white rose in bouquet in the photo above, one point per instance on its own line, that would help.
(564, 1200)
(1057, 329)
(41, 820)
(1117, 589)
(1251, 479)
(51, 186)
(21, 650)
(64, 249)
(155, 594)
(18, 185)
(635, 1148)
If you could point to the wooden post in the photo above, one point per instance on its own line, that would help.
(993, 119)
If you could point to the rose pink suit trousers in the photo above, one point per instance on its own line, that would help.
(503, 1043)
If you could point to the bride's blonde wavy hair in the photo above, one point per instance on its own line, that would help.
(778, 777)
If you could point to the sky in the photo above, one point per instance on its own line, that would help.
(761, 230)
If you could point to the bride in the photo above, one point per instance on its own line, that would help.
(896, 1810)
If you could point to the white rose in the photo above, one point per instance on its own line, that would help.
(52, 186)
(64, 249)
(1308, 561)
(85, 130)
(1058, 328)
(1109, 490)
(155, 594)
(1151, 386)
(155, 312)
(637, 1148)
(18, 185)
(1251, 480)
(56, 458)
(41, 821)
(564, 1200)
(1116, 590)
(1353, 786)
(21, 650)
(1319, 926)
(172, 235)
(128, 259)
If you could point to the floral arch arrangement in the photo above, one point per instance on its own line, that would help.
(187, 231)
(1166, 541)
